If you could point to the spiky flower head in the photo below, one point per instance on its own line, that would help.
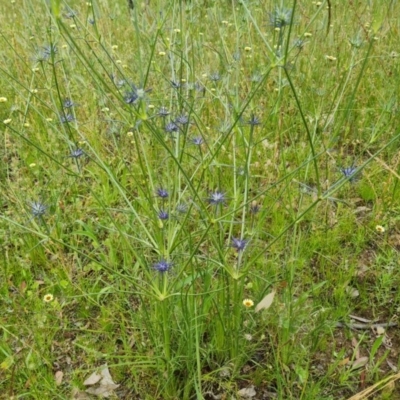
(171, 127)
(68, 103)
(38, 209)
(254, 121)
(162, 266)
(163, 193)
(163, 112)
(163, 215)
(64, 118)
(280, 17)
(350, 172)
(77, 153)
(182, 119)
(198, 141)
(239, 244)
(217, 198)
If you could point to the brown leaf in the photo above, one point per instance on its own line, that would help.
(266, 302)
(58, 376)
(359, 363)
(106, 385)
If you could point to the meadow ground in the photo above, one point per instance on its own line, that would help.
(199, 199)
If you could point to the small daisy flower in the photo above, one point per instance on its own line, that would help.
(48, 298)
(248, 337)
(380, 229)
(248, 303)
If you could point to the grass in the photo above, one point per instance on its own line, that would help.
(165, 168)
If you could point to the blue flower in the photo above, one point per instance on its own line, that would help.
(217, 198)
(131, 96)
(162, 266)
(38, 209)
(182, 119)
(163, 215)
(67, 118)
(215, 77)
(171, 127)
(198, 141)
(181, 208)
(280, 17)
(175, 84)
(350, 172)
(163, 112)
(239, 244)
(76, 153)
(163, 193)
(254, 121)
(68, 103)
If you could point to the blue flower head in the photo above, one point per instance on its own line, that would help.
(64, 118)
(68, 103)
(254, 121)
(182, 119)
(38, 209)
(162, 266)
(163, 112)
(163, 215)
(217, 198)
(350, 172)
(77, 153)
(171, 127)
(163, 193)
(198, 141)
(239, 244)
(280, 17)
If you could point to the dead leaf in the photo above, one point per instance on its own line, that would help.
(93, 379)
(78, 395)
(266, 302)
(105, 386)
(359, 363)
(345, 361)
(58, 376)
(352, 292)
(247, 393)
(392, 366)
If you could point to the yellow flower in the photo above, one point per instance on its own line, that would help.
(3, 99)
(48, 298)
(307, 34)
(161, 53)
(247, 48)
(380, 229)
(248, 303)
(7, 121)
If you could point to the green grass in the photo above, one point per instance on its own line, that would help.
(283, 138)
